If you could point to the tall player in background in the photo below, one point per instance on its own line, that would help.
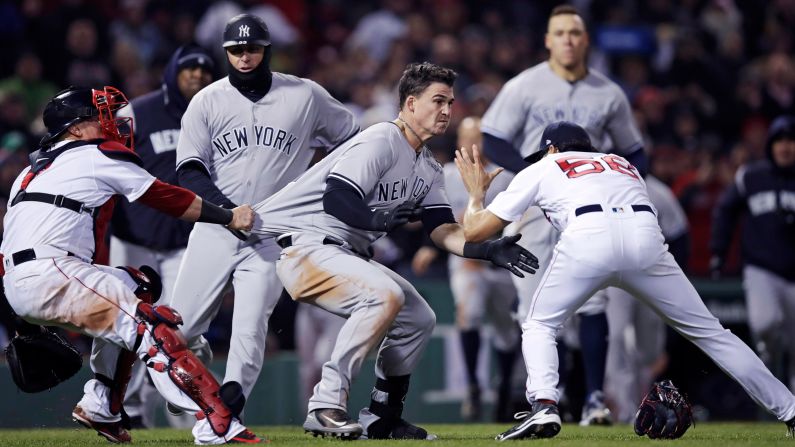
(563, 88)
(145, 236)
(609, 237)
(243, 138)
(481, 292)
(54, 231)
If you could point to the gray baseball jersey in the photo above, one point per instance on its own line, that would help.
(251, 150)
(381, 307)
(537, 97)
(382, 167)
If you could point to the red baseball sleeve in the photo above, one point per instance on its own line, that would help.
(167, 198)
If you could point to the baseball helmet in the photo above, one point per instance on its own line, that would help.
(68, 107)
(565, 136)
(246, 29)
(76, 104)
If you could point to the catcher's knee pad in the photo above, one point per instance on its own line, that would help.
(183, 368)
(150, 285)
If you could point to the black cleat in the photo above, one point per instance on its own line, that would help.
(543, 421)
(791, 428)
(332, 422)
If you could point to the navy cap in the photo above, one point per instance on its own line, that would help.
(246, 29)
(783, 126)
(565, 136)
(194, 57)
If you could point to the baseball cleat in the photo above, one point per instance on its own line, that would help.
(543, 421)
(790, 428)
(595, 412)
(402, 429)
(332, 422)
(112, 431)
(247, 437)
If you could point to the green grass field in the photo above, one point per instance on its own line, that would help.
(470, 435)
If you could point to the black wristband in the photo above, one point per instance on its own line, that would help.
(476, 250)
(212, 213)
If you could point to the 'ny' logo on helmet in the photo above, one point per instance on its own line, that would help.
(243, 31)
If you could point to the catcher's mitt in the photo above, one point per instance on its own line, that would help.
(663, 413)
(42, 359)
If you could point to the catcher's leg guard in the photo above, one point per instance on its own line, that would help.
(148, 290)
(118, 384)
(183, 368)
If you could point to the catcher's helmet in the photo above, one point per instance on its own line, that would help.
(565, 136)
(246, 29)
(76, 104)
(68, 107)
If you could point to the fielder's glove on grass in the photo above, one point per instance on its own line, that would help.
(664, 413)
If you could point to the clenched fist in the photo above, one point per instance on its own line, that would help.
(242, 218)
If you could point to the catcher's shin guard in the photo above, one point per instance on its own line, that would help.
(118, 384)
(148, 290)
(183, 368)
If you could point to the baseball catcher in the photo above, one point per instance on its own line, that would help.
(663, 413)
(39, 358)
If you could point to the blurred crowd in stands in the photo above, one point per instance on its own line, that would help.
(705, 77)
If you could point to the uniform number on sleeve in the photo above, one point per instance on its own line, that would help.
(577, 166)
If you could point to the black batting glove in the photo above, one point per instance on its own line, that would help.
(388, 220)
(504, 253)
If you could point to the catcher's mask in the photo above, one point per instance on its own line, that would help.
(108, 101)
(75, 104)
(565, 136)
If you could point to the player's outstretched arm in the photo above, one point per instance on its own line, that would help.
(502, 252)
(479, 224)
(186, 205)
(238, 218)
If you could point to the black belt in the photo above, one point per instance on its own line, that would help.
(57, 200)
(287, 241)
(598, 209)
(26, 255)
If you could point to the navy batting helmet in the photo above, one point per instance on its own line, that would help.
(246, 29)
(565, 136)
(68, 107)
